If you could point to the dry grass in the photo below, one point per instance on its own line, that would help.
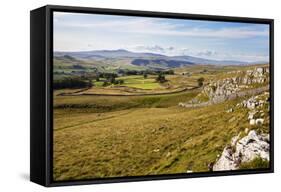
(142, 141)
(111, 136)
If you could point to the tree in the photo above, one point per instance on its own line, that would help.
(112, 80)
(71, 83)
(161, 78)
(170, 72)
(200, 81)
(145, 75)
(105, 84)
(90, 83)
(121, 81)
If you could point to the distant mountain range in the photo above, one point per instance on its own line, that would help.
(119, 53)
(149, 60)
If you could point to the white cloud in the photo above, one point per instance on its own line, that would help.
(168, 50)
(164, 36)
(155, 26)
(207, 54)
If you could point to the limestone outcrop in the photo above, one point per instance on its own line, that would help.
(231, 88)
(243, 150)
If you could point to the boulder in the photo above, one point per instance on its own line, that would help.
(226, 161)
(260, 70)
(244, 150)
(230, 110)
(253, 146)
(181, 104)
(259, 121)
(251, 104)
(252, 122)
(251, 114)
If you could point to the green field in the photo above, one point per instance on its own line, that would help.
(138, 81)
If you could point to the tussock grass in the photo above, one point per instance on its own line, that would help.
(114, 136)
(257, 163)
(141, 141)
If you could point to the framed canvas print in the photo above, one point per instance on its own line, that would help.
(123, 95)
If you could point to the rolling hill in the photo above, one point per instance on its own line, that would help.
(109, 60)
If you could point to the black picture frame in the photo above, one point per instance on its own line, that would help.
(41, 117)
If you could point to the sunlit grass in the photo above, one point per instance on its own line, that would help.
(98, 136)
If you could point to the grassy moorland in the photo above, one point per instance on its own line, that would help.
(98, 136)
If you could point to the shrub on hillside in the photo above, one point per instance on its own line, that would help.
(255, 164)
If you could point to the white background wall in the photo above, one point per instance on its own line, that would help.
(14, 94)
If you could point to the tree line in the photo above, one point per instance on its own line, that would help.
(72, 83)
(147, 72)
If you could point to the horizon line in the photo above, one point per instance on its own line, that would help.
(92, 50)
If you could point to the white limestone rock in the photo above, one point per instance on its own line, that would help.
(226, 161)
(244, 150)
(259, 121)
(252, 121)
(251, 114)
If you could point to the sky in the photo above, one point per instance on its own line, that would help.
(206, 39)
